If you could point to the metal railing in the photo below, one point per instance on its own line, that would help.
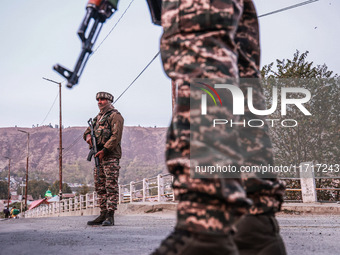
(153, 189)
(77, 203)
(332, 196)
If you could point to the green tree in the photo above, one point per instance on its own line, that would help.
(84, 189)
(55, 188)
(3, 190)
(37, 188)
(315, 138)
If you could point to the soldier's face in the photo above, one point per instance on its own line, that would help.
(102, 103)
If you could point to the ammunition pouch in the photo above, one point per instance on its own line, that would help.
(102, 136)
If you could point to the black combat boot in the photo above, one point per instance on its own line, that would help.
(109, 221)
(99, 220)
(182, 242)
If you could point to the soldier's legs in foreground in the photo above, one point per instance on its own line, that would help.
(204, 50)
(207, 207)
(198, 43)
(259, 235)
(182, 242)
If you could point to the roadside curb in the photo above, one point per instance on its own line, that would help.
(311, 208)
(147, 207)
(287, 208)
(171, 207)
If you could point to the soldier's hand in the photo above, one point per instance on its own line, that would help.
(100, 155)
(89, 140)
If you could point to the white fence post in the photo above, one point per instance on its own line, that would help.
(87, 200)
(81, 202)
(76, 203)
(307, 183)
(160, 184)
(145, 188)
(120, 194)
(132, 191)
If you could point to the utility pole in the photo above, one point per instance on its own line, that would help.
(60, 149)
(60, 143)
(9, 181)
(28, 149)
(22, 193)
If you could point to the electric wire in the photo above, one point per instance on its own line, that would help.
(50, 109)
(137, 76)
(67, 150)
(113, 27)
(260, 16)
(78, 138)
(288, 8)
(263, 15)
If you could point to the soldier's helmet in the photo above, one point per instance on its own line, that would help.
(104, 95)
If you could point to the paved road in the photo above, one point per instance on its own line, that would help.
(140, 234)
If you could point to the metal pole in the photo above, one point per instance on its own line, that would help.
(22, 193)
(28, 148)
(26, 194)
(60, 149)
(60, 142)
(9, 181)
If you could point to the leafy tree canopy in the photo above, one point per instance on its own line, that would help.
(317, 137)
(55, 188)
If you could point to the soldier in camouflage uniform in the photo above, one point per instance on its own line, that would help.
(218, 40)
(108, 129)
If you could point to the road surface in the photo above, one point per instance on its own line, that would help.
(142, 233)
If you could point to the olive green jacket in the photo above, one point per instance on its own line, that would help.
(108, 130)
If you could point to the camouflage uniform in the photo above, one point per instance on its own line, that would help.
(215, 40)
(108, 127)
(257, 232)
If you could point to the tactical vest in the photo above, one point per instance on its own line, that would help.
(102, 129)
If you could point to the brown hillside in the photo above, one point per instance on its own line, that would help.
(143, 153)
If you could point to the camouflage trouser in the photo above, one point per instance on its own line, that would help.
(214, 40)
(106, 184)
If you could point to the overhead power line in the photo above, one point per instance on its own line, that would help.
(260, 16)
(263, 15)
(50, 109)
(288, 8)
(113, 27)
(138, 76)
(67, 150)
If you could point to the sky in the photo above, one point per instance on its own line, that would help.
(37, 34)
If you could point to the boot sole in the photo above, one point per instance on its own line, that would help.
(105, 225)
(94, 224)
(108, 224)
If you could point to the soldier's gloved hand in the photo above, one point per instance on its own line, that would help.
(89, 140)
(100, 155)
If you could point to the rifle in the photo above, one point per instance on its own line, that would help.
(94, 149)
(99, 11)
(155, 7)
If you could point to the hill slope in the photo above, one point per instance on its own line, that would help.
(143, 153)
